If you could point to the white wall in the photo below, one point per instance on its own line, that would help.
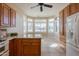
(19, 25)
(19, 21)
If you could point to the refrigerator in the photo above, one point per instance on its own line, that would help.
(72, 35)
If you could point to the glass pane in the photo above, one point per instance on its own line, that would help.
(37, 27)
(30, 35)
(40, 20)
(6, 21)
(57, 23)
(38, 35)
(6, 18)
(40, 25)
(25, 36)
(30, 25)
(51, 25)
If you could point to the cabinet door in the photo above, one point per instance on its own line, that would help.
(73, 8)
(77, 7)
(15, 47)
(11, 47)
(5, 21)
(12, 18)
(66, 11)
(31, 48)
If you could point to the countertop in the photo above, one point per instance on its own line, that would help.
(10, 38)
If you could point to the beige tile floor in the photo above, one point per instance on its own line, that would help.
(51, 47)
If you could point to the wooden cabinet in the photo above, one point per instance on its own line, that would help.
(62, 28)
(4, 15)
(7, 16)
(73, 8)
(31, 47)
(15, 47)
(61, 15)
(12, 18)
(67, 11)
(25, 47)
(66, 14)
(77, 7)
(11, 45)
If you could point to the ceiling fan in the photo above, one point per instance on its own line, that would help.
(41, 6)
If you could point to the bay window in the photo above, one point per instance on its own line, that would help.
(39, 27)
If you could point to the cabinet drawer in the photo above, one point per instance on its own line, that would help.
(31, 40)
(31, 50)
(31, 43)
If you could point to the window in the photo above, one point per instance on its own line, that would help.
(37, 35)
(25, 26)
(57, 25)
(51, 25)
(36, 27)
(30, 25)
(30, 35)
(40, 25)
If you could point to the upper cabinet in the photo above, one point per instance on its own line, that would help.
(66, 12)
(73, 8)
(77, 7)
(63, 14)
(7, 16)
(12, 18)
(70, 9)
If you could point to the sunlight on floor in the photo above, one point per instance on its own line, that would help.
(54, 45)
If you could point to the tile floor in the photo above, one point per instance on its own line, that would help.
(51, 47)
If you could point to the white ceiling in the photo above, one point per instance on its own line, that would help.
(35, 12)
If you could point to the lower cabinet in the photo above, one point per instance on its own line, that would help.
(11, 42)
(25, 47)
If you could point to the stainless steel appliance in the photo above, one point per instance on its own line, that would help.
(4, 48)
(72, 34)
(4, 43)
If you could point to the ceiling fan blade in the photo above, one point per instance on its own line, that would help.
(34, 6)
(41, 8)
(40, 3)
(50, 6)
